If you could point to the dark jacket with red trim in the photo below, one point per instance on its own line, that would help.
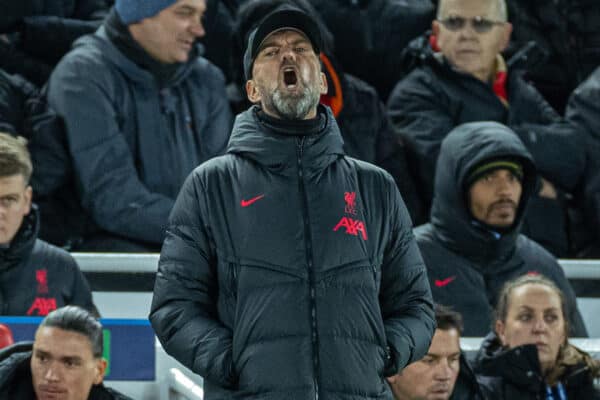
(37, 277)
(515, 374)
(467, 263)
(434, 98)
(16, 381)
(290, 270)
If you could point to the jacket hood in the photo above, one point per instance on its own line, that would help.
(111, 54)
(519, 365)
(22, 244)
(466, 146)
(277, 151)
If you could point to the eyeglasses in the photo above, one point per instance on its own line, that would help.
(479, 24)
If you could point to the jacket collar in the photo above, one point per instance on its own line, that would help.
(279, 151)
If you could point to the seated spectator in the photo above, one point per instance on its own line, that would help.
(35, 277)
(467, 81)
(529, 353)
(370, 35)
(567, 33)
(355, 104)
(34, 35)
(483, 183)
(444, 372)
(141, 110)
(583, 111)
(64, 362)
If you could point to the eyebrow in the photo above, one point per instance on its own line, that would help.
(271, 43)
(64, 358)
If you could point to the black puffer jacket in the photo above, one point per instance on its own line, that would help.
(435, 98)
(568, 32)
(288, 269)
(467, 264)
(36, 277)
(468, 386)
(15, 376)
(41, 32)
(517, 374)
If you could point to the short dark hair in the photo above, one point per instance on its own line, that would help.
(77, 319)
(446, 318)
(14, 157)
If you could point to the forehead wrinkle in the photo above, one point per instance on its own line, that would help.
(272, 39)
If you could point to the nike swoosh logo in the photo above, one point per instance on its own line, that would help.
(246, 203)
(444, 282)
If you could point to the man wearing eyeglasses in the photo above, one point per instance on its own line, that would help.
(462, 77)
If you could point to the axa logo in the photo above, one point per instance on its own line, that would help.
(42, 305)
(352, 226)
(350, 199)
(41, 276)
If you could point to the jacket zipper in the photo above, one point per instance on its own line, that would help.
(311, 275)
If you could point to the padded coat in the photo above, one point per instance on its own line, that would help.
(290, 271)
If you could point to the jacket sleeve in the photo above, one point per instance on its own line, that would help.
(405, 295)
(556, 147)
(422, 118)
(105, 172)
(184, 311)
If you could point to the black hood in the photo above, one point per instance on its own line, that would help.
(466, 146)
(23, 242)
(278, 151)
(519, 365)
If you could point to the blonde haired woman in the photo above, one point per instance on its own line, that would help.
(528, 356)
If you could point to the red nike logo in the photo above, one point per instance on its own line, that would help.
(246, 203)
(444, 282)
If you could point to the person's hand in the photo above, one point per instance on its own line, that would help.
(4, 38)
(547, 190)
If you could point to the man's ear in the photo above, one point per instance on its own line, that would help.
(28, 194)
(435, 28)
(506, 31)
(323, 86)
(101, 364)
(252, 92)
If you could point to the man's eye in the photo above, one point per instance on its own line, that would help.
(524, 317)
(300, 49)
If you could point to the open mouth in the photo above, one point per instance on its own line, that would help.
(289, 77)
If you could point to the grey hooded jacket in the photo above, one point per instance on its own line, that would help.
(132, 143)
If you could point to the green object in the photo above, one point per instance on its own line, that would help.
(106, 351)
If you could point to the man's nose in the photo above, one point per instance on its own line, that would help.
(197, 29)
(287, 53)
(443, 371)
(52, 373)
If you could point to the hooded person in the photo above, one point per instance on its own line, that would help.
(484, 179)
(141, 110)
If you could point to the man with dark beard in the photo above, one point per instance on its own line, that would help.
(484, 180)
(289, 269)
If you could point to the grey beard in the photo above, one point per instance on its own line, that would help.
(294, 107)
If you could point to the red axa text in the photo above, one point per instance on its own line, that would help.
(353, 227)
(42, 305)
